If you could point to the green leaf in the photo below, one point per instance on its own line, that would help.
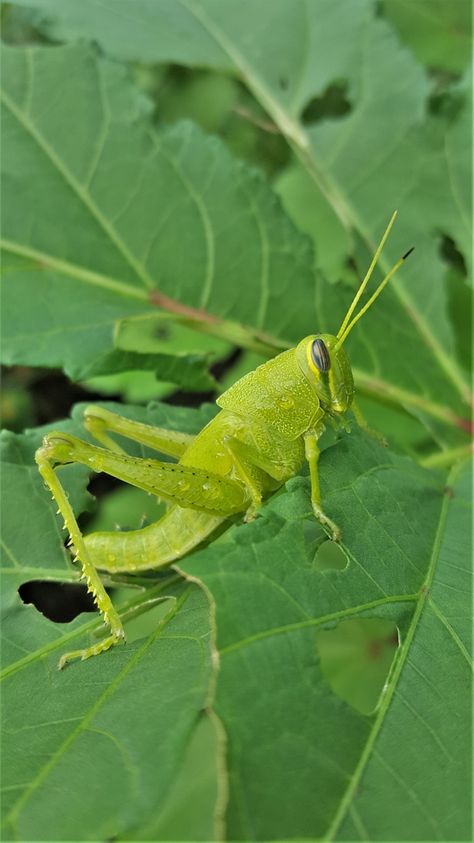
(102, 748)
(133, 245)
(112, 745)
(438, 31)
(428, 703)
(139, 211)
(123, 734)
(289, 736)
(190, 371)
(155, 347)
(388, 151)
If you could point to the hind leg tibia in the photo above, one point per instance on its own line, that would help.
(89, 573)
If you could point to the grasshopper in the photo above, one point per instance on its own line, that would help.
(269, 422)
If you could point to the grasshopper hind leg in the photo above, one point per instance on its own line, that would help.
(89, 573)
(207, 500)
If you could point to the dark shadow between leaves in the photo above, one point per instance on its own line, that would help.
(57, 601)
(331, 104)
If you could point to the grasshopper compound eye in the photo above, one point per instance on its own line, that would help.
(320, 356)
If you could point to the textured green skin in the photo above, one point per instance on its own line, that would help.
(268, 411)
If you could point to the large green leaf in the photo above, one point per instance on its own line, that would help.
(388, 151)
(139, 210)
(125, 729)
(430, 772)
(302, 763)
(118, 743)
(438, 31)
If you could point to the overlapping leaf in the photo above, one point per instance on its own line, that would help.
(437, 31)
(302, 763)
(139, 212)
(385, 153)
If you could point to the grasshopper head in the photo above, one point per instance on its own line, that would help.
(321, 356)
(328, 370)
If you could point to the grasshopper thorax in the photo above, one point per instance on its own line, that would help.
(326, 366)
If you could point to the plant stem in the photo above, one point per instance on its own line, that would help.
(401, 397)
(441, 459)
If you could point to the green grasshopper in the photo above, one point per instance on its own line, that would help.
(270, 422)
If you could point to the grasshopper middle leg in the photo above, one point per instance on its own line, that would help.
(312, 455)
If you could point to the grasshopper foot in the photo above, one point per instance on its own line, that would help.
(327, 523)
(93, 650)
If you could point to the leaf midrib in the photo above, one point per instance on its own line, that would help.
(422, 601)
(79, 273)
(323, 619)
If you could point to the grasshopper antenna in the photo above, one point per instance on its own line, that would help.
(343, 334)
(367, 276)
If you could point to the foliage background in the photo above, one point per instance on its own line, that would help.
(190, 187)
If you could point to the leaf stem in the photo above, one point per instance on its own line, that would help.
(441, 459)
(381, 389)
(43, 261)
(232, 332)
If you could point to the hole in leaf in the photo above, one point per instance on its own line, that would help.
(356, 657)
(330, 557)
(450, 253)
(331, 104)
(322, 553)
(445, 104)
(57, 601)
